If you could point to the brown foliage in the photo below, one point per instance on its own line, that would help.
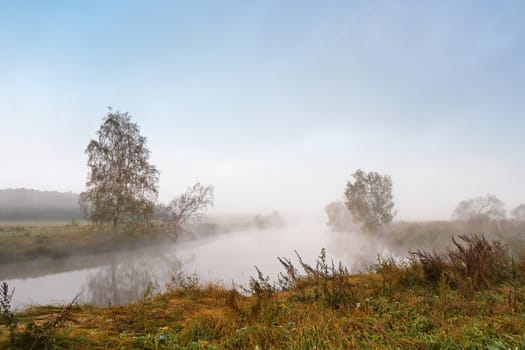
(483, 262)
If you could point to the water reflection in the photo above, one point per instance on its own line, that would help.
(227, 259)
(125, 282)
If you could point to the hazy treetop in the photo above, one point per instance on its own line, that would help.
(273, 96)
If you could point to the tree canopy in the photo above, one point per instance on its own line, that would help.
(369, 199)
(339, 217)
(483, 208)
(188, 206)
(122, 185)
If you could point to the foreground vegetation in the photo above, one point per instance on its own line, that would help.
(471, 297)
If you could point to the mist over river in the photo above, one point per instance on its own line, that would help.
(225, 258)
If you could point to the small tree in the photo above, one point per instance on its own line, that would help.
(519, 212)
(122, 185)
(369, 199)
(485, 208)
(339, 217)
(188, 206)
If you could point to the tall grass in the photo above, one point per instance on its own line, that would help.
(474, 263)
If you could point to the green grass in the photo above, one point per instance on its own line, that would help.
(398, 305)
(42, 222)
(26, 242)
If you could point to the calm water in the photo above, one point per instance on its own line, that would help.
(227, 258)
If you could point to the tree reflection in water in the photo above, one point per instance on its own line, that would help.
(124, 282)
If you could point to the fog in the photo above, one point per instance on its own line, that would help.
(272, 105)
(275, 104)
(226, 258)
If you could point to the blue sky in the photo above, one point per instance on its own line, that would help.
(275, 103)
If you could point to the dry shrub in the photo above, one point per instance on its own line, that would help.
(434, 265)
(484, 263)
(473, 264)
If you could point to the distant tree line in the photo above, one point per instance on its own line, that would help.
(272, 220)
(486, 208)
(26, 204)
(369, 202)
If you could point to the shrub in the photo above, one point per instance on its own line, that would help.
(330, 282)
(260, 286)
(8, 318)
(473, 260)
(484, 263)
(434, 265)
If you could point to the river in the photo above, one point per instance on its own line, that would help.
(226, 258)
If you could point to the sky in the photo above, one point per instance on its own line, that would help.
(275, 103)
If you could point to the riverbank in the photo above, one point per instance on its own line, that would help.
(31, 250)
(35, 243)
(25, 242)
(426, 302)
(22, 243)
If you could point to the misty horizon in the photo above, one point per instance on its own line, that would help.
(273, 105)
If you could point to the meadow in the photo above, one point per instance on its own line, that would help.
(24, 242)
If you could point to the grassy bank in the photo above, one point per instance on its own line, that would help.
(473, 297)
(22, 243)
(25, 242)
